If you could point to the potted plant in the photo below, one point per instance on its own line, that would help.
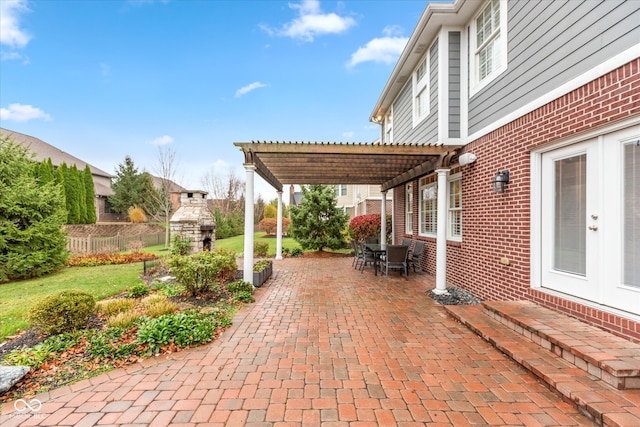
(262, 270)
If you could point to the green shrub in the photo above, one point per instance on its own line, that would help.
(239, 286)
(260, 248)
(181, 245)
(137, 291)
(200, 272)
(62, 312)
(296, 252)
(182, 329)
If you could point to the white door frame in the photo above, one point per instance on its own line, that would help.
(536, 214)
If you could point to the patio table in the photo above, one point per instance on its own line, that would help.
(377, 250)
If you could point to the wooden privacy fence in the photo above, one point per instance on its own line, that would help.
(97, 245)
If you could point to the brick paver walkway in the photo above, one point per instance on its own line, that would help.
(323, 345)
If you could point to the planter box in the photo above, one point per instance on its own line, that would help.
(259, 277)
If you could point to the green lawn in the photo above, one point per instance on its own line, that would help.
(237, 243)
(16, 298)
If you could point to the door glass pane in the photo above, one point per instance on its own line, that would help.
(631, 214)
(570, 215)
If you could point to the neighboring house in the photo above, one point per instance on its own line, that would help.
(361, 199)
(175, 190)
(101, 179)
(546, 91)
(550, 92)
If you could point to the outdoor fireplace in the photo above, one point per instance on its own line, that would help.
(194, 221)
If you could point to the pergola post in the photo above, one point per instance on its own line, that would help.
(279, 232)
(383, 220)
(441, 241)
(248, 224)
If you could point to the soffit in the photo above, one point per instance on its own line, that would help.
(281, 163)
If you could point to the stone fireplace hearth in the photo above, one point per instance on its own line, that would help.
(195, 221)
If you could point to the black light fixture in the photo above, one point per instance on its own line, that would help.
(500, 181)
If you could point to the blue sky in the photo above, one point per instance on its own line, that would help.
(105, 79)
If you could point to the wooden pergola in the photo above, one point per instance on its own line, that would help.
(386, 165)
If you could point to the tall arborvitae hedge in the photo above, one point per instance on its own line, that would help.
(90, 195)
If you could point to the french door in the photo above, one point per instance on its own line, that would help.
(590, 220)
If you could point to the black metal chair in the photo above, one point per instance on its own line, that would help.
(357, 254)
(416, 255)
(367, 256)
(395, 259)
(373, 240)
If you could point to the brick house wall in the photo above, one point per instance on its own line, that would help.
(498, 225)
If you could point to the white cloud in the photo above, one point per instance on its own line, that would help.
(348, 135)
(385, 49)
(11, 34)
(162, 140)
(248, 88)
(22, 113)
(311, 22)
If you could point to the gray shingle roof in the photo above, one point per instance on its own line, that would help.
(43, 151)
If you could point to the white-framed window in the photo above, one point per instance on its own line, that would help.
(428, 208)
(454, 208)
(341, 189)
(488, 37)
(421, 91)
(388, 127)
(408, 224)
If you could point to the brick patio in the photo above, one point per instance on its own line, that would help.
(323, 345)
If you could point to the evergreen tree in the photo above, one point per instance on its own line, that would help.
(78, 184)
(62, 177)
(32, 212)
(132, 188)
(46, 171)
(90, 195)
(318, 223)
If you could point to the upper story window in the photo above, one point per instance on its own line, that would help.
(421, 91)
(488, 43)
(341, 189)
(408, 224)
(454, 207)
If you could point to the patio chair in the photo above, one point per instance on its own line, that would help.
(406, 242)
(373, 240)
(367, 256)
(396, 259)
(416, 254)
(357, 254)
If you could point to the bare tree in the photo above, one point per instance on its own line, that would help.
(226, 191)
(166, 170)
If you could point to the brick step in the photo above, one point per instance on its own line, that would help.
(595, 398)
(613, 359)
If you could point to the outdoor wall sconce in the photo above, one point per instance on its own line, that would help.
(467, 159)
(500, 181)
